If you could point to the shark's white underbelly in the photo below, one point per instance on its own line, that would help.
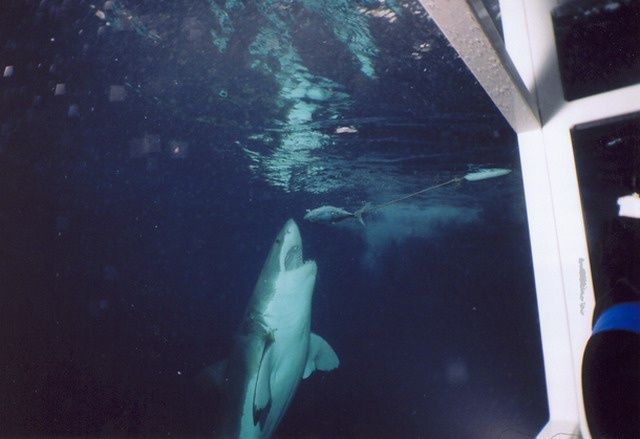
(286, 359)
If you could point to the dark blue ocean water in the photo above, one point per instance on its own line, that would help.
(134, 221)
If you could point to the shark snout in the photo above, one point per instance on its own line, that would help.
(291, 228)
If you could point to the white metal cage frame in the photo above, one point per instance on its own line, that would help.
(521, 75)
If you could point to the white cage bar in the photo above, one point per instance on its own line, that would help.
(521, 75)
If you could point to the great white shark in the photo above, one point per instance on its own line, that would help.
(274, 348)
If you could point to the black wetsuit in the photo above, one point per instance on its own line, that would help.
(611, 361)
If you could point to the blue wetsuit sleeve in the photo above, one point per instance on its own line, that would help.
(623, 316)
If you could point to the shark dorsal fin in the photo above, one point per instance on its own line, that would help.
(321, 356)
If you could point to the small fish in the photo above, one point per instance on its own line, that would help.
(332, 214)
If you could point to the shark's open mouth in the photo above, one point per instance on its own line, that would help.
(293, 259)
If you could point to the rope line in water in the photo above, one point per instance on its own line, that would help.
(397, 200)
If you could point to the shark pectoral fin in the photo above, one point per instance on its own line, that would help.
(262, 391)
(321, 356)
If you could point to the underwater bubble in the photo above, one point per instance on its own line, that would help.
(178, 149)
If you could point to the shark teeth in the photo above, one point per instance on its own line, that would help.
(293, 258)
